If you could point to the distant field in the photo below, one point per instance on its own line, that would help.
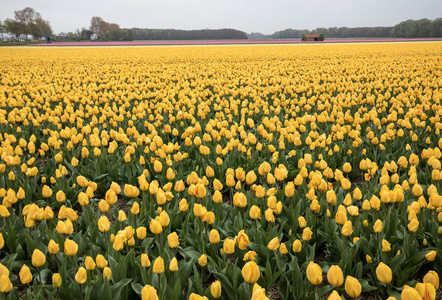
(220, 42)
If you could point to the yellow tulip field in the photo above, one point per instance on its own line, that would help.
(221, 172)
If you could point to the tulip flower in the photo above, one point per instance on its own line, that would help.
(202, 260)
(155, 227)
(242, 240)
(107, 273)
(273, 244)
(53, 247)
(25, 275)
(307, 234)
(334, 296)
(149, 293)
(81, 276)
(383, 273)
(408, 293)
(347, 229)
(314, 273)
(431, 256)
(5, 284)
(352, 287)
(56, 280)
(173, 265)
(101, 261)
(335, 276)
(89, 263)
(70, 247)
(297, 246)
(250, 272)
(215, 289)
(433, 278)
(158, 265)
(38, 258)
(214, 237)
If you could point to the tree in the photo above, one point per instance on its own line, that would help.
(96, 25)
(28, 17)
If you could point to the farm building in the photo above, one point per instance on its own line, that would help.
(312, 37)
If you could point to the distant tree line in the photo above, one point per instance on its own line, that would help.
(105, 31)
(26, 23)
(175, 34)
(418, 28)
(407, 29)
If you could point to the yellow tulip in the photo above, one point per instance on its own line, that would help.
(89, 263)
(273, 244)
(173, 265)
(242, 240)
(383, 273)
(25, 275)
(56, 280)
(229, 246)
(158, 265)
(70, 247)
(335, 276)
(408, 293)
(107, 273)
(352, 287)
(149, 293)
(250, 272)
(431, 256)
(215, 289)
(81, 276)
(38, 258)
(314, 273)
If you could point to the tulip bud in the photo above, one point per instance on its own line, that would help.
(101, 261)
(352, 287)
(145, 261)
(433, 278)
(314, 273)
(56, 280)
(377, 227)
(273, 244)
(229, 246)
(25, 275)
(107, 273)
(335, 276)
(386, 246)
(307, 234)
(81, 276)
(89, 263)
(38, 258)
(5, 284)
(383, 273)
(149, 293)
(431, 256)
(155, 227)
(409, 293)
(334, 296)
(158, 265)
(255, 212)
(202, 260)
(297, 246)
(173, 240)
(242, 240)
(70, 247)
(215, 289)
(250, 272)
(214, 236)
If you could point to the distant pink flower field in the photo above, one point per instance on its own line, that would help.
(227, 42)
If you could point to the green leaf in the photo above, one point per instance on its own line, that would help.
(176, 290)
(137, 287)
(118, 287)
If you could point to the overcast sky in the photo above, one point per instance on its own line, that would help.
(265, 16)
